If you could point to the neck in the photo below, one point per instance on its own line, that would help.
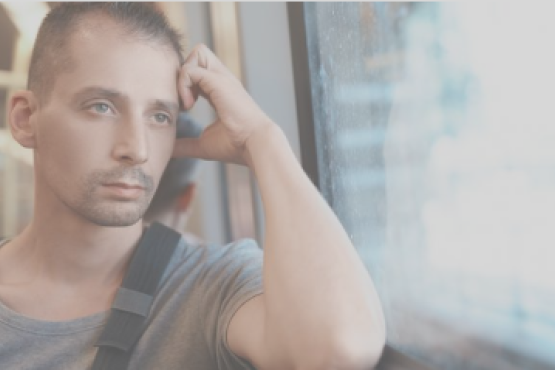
(69, 250)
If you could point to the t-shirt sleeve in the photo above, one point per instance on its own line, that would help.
(233, 276)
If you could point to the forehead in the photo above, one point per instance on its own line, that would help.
(102, 53)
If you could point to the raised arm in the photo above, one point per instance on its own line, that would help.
(319, 309)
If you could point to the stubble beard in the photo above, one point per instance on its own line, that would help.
(112, 212)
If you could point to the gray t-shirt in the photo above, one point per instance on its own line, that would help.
(202, 288)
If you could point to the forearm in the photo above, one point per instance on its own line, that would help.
(318, 298)
(317, 291)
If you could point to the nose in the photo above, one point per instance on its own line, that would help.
(131, 146)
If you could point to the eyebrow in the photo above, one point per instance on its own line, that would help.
(97, 92)
(102, 92)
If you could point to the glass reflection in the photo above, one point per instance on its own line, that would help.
(435, 142)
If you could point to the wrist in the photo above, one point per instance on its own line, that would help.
(263, 143)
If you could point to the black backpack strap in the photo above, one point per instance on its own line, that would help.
(134, 298)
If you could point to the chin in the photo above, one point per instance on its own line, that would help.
(115, 222)
(120, 217)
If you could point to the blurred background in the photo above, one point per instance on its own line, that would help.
(428, 127)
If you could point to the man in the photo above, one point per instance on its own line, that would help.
(172, 200)
(105, 86)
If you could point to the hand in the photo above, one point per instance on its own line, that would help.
(239, 119)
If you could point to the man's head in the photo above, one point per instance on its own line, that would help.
(101, 110)
(177, 185)
(51, 54)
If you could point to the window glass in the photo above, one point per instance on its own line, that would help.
(435, 132)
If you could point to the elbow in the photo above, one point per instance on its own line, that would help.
(360, 347)
(358, 354)
(353, 352)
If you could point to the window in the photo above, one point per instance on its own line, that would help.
(434, 133)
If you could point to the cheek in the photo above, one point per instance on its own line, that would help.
(161, 149)
(67, 147)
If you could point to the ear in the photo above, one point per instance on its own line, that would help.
(22, 107)
(186, 197)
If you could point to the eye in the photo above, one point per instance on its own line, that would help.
(162, 118)
(101, 108)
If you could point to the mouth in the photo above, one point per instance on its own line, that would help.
(124, 190)
(125, 185)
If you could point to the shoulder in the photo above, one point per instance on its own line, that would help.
(206, 277)
(193, 249)
(194, 258)
(204, 285)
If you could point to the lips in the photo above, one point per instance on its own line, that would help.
(125, 191)
(125, 185)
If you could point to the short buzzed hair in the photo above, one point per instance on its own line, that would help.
(180, 172)
(50, 56)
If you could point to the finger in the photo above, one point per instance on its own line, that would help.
(198, 57)
(195, 81)
(187, 90)
(202, 56)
